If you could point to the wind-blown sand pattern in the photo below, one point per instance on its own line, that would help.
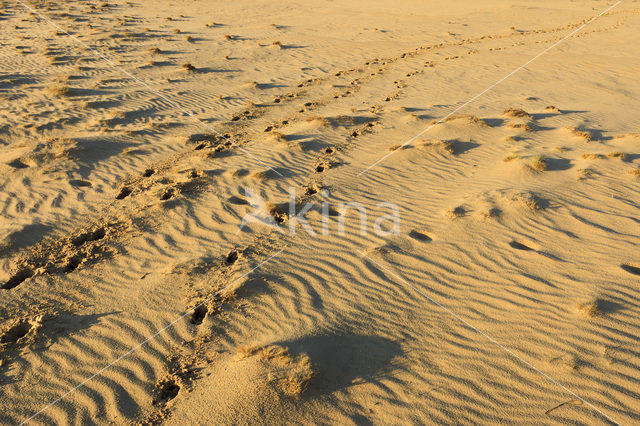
(135, 137)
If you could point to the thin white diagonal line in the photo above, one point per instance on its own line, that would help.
(128, 74)
(148, 339)
(490, 87)
(485, 335)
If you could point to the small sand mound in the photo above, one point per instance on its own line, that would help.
(289, 374)
(189, 68)
(278, 137)
(529, 200)
(591, 156)
(584, 134)
(436, 145)
(539, 163)
(59, 90)
(251, 85)
(520, 126)
(316, 122)
(467, 119)
(617, 154)
(516, 113)
(591, 308)
(45, 152)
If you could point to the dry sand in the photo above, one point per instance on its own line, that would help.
(509, 294)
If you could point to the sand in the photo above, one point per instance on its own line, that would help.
(137, 137)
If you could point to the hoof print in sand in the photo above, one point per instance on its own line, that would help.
(19, 331)
(232, 257)
(94, 235)
(124, 193)
(166, 390)
(199, 314)
(167, 195)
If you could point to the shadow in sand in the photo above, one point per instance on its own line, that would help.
(555, 164)
(261, 284)
(632, 269)
(543, 115)
(348, 120)
(158, 64)
(53, 329)
(608, 307)
(494, 122)
(343, 360)
(11, 81)
(460, 147)
(90, 151)
(630, 158)
(25, 237)
(88, 92)
(208, 70)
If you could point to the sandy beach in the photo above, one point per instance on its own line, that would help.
(324, 212)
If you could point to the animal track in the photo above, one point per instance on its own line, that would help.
(95, 235)
(124, 193)
(18, 331)
(166, 195)
(62, 255)
(325, 164)
(18, 278)
(73, 263)
(232, 257)
(166, 390)
(199, 314)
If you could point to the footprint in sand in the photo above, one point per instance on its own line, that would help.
(18, 278)
(199, 314)
(19, 330)
(73, 263)
(94, 235)
(124, 193)
(166, 195)
(166, 390)
(232, 257)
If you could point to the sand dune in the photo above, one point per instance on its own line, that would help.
(151, 267)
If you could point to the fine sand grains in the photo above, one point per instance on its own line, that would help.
(250, 214)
